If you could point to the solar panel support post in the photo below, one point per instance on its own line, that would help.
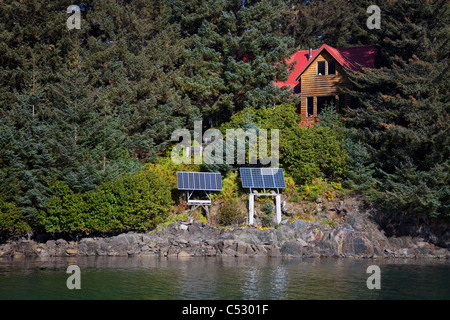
(251, 206)
(278, 207)
(199, 203)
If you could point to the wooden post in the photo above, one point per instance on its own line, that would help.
(251, 202)
(278, 207)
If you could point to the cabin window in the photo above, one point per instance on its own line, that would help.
(321, 68)
(331, 67)
(310, 107)
(322, 102)
(342, 100)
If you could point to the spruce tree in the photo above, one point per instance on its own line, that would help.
(403, 108)
(231, 53)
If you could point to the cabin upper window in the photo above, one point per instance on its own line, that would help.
(321, 68)
(331, 67)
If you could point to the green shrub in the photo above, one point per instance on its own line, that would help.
(11, 220)
(267, 208)
(267, 218)
(314, 152)
(229, 213)
(320, 187)
(131, 202)
(230, 188)
(305, 153)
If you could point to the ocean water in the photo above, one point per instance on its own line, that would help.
(137, 278)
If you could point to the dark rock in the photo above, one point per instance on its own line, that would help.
(51, 244)
(266, 237)
(61, 242)
(300, 224)
(193, 228)
(292, 248)
(357, 245)
(273, 252)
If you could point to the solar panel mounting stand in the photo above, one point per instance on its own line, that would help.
(196, 203)
(207, 182)
(266, 179)
(251, 204)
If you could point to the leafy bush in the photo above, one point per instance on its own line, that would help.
(267, 208)
(320, 187)
(314, 152)
(11, 220)
(305, 153)
(282, 117)
(229, 213)
(230, 188)
(267, 218)
(131, 202)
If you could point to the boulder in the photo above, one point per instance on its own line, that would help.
(292, 248)
(273, 252)
(300, 224)
(72, 252)
(61, 242)
(51, 244)
(242, 247)
(183, 254)
(302, 242)
(357, 245)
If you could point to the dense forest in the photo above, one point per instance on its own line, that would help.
(86, 115)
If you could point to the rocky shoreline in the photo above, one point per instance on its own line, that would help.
(298, 238)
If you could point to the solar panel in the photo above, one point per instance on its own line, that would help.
(208, 181)
(262, 178)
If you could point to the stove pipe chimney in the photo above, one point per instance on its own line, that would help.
(310, 54)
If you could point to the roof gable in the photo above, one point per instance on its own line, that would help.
(352, 58)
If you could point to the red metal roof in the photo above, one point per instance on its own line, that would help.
(353, 58)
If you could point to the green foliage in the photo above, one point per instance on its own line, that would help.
(230, 54)
(83, 110)
(209, 164)
(329, 117)
(282, 117)
(305, 153)
(131, 202)
(267, 208)
(410, 191)
(11, 220)
(166, 168)
(320, 187)
(360, 168)
(314, 152)
(229, 213)
(230, 188)
(401, 112)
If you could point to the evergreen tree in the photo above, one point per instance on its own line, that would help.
(404, 108)
(231, 53)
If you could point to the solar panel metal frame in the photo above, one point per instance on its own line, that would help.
(206, 181)
(262, 178)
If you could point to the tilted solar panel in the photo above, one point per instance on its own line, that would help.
(208, 181)
(262, 178)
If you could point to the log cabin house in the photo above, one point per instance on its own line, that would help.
(319, 76)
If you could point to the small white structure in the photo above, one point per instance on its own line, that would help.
(205, 182)
(251, 205)
(263, 178)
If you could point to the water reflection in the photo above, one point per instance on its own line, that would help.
(278, 283)
(226, 278)
(250, 285)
